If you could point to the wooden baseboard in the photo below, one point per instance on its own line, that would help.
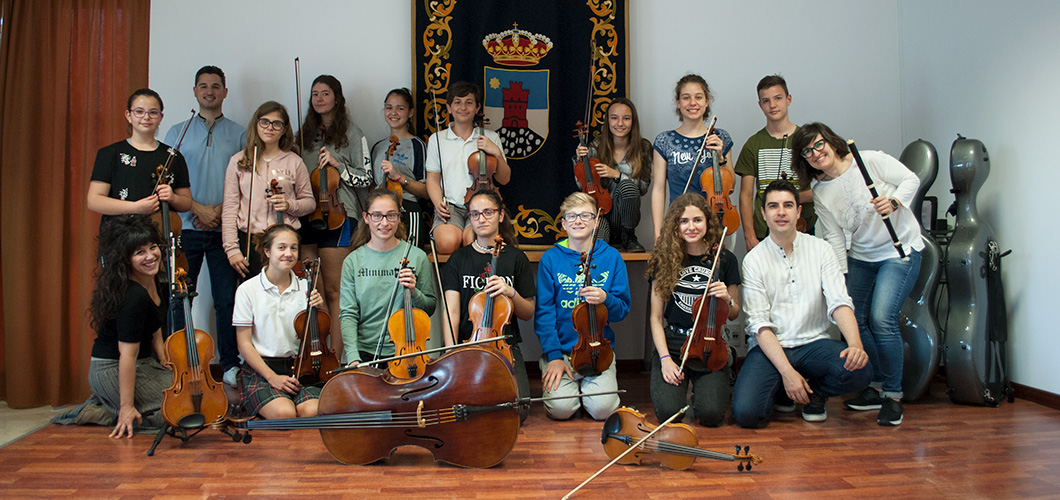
(1039, 396)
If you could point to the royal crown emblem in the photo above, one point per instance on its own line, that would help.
(516, 47)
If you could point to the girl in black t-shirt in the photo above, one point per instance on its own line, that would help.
(467, 269)
(124, 175)
(128, 313)
(680, 267)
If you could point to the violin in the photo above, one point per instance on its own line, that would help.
(481, 166)
(717, 184)
(330, 214)
(490, 315)
(705, 348)
(168, 221)
(461, 407)
(315, 358)
(586, 174)
(676, 446)
(275, 189)
(388, 183)
(409, 329)
(195, 398)
(592, 354)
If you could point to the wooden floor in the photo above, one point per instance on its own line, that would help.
(941, 451)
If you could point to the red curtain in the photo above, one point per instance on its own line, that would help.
(66, 70)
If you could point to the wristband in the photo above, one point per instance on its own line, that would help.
(664, 357)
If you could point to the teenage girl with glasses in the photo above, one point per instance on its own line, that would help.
(370, 274)
(250, 211)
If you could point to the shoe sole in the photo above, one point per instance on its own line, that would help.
(890, 423)
(815, 417)
(862, 407)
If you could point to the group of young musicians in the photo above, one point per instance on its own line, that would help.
(249, 208)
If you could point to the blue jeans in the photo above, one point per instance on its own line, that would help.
(819, 362)
(878, 290)
(223, 282)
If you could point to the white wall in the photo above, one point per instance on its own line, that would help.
(883, 73)
(989, 71)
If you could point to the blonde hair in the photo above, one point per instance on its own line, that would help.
(575, 199)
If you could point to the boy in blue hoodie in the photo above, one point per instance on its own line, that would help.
(559, 289)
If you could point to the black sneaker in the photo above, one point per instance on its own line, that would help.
(890, 413)
(783, 404)
(631, 243)
(814, 411)
(867, 399)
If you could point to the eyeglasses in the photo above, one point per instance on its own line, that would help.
(487, 213)
(586, 217)
(140, 112)
(817, 146)
(378, 217)
(276, 125)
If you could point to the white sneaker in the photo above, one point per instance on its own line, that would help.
(230, 376)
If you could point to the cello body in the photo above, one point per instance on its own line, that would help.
(974, 352)
(470, 376)
(917, 319)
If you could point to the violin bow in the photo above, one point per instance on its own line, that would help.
(695, 322)
(313, 266)
(173, 151)
(872, 189)
(351, 366)
(699, 155)
(438, 130)
(298, 104)
(632, 447)
(250, 200)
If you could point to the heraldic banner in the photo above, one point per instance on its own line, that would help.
(534, 61)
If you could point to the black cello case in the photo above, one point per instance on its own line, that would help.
(917, 320)
(977, 324)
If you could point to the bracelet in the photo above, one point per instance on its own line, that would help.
(723, 162)
(664, 357)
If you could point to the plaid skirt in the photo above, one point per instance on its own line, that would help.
(257, 392)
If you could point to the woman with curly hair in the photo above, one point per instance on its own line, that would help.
(128, 312)
(680, 267)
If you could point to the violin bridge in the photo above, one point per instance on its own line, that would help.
(316, 353)
(420, 421)
(594, 344)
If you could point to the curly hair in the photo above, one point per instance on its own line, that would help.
(506, 229)
(362, 234)
(119, 237)
(671, 249)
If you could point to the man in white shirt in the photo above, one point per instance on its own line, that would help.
(792, 290)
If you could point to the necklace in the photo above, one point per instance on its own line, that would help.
(480, 247)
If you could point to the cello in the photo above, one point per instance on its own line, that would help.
(409, 329)
(675, 447)
(705, 349)
(315, 358)
(490, 315)
(717, 184)
(481, 166)
(461, 407)
(195, 398)
(592, 354)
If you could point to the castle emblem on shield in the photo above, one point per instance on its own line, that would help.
(517, 99)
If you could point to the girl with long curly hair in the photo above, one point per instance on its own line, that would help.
(680, 268)
(128, 313)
